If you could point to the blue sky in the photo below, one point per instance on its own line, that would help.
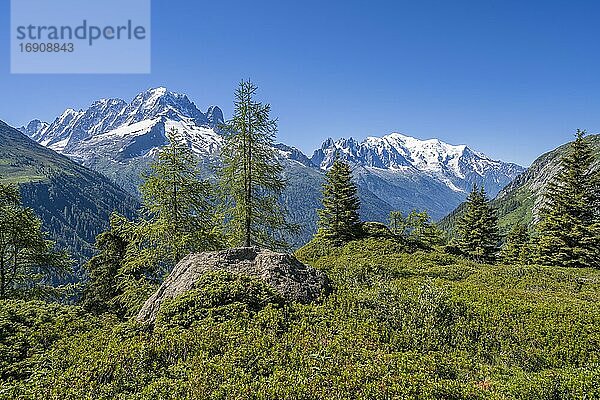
(510, 78)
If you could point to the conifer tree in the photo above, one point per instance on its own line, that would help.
(397, 223)
(569, 229)
(251, 178)
(516, 248)
(102, 288)
(478, 228)
(178, 217)
(339, 219)
(28, 261)
(178, 205)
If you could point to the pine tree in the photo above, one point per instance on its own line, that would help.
(28, 262)
(178, 204)
(251, 178)
(516, 248)
(569, 229)
(339, 219)
(478, 228)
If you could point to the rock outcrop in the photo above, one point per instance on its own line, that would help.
(292, 279)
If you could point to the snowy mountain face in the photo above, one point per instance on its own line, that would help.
(120, 139)
(140, 124)
(33, 128)
(286, 152)
(457, 167)
(393, 172)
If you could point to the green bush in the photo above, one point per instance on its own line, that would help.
(217, 295)
(421, 325)
(319, 247)
(376, 230)
(29, 328)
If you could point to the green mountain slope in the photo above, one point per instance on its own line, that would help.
(73, 202)
(520, 200)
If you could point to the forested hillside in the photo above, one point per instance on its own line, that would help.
(520, 200)
(73, 202)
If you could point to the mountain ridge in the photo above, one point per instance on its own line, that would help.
(451, 164)
(393, 172)
(153, 112)
(109, 114)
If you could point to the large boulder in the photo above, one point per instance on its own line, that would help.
(288, 276)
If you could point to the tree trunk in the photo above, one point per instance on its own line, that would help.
(175, 204)
(248, 222)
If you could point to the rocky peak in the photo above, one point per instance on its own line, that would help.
(157, 102)
(34, 128)
(215, 116)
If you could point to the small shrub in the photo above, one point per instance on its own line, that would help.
(318, 247)
(28, 328)
(218, 295)
(376, 230)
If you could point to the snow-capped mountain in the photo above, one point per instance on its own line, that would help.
(286, 152)
(119, 139)
(393, 172)
(144, 119)
(458, 167)
(33, 128)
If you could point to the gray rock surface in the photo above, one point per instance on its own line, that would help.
(292, 279)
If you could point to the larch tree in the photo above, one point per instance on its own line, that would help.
(178, 205)
(102, 288)
(397, 223)
(29, 265)
(416, 228)
(179, 216)
(250, 177)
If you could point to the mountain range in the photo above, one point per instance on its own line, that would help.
(393, 172)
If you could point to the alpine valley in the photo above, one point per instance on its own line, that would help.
(393, 172)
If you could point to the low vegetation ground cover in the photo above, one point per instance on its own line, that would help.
(423, 325)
